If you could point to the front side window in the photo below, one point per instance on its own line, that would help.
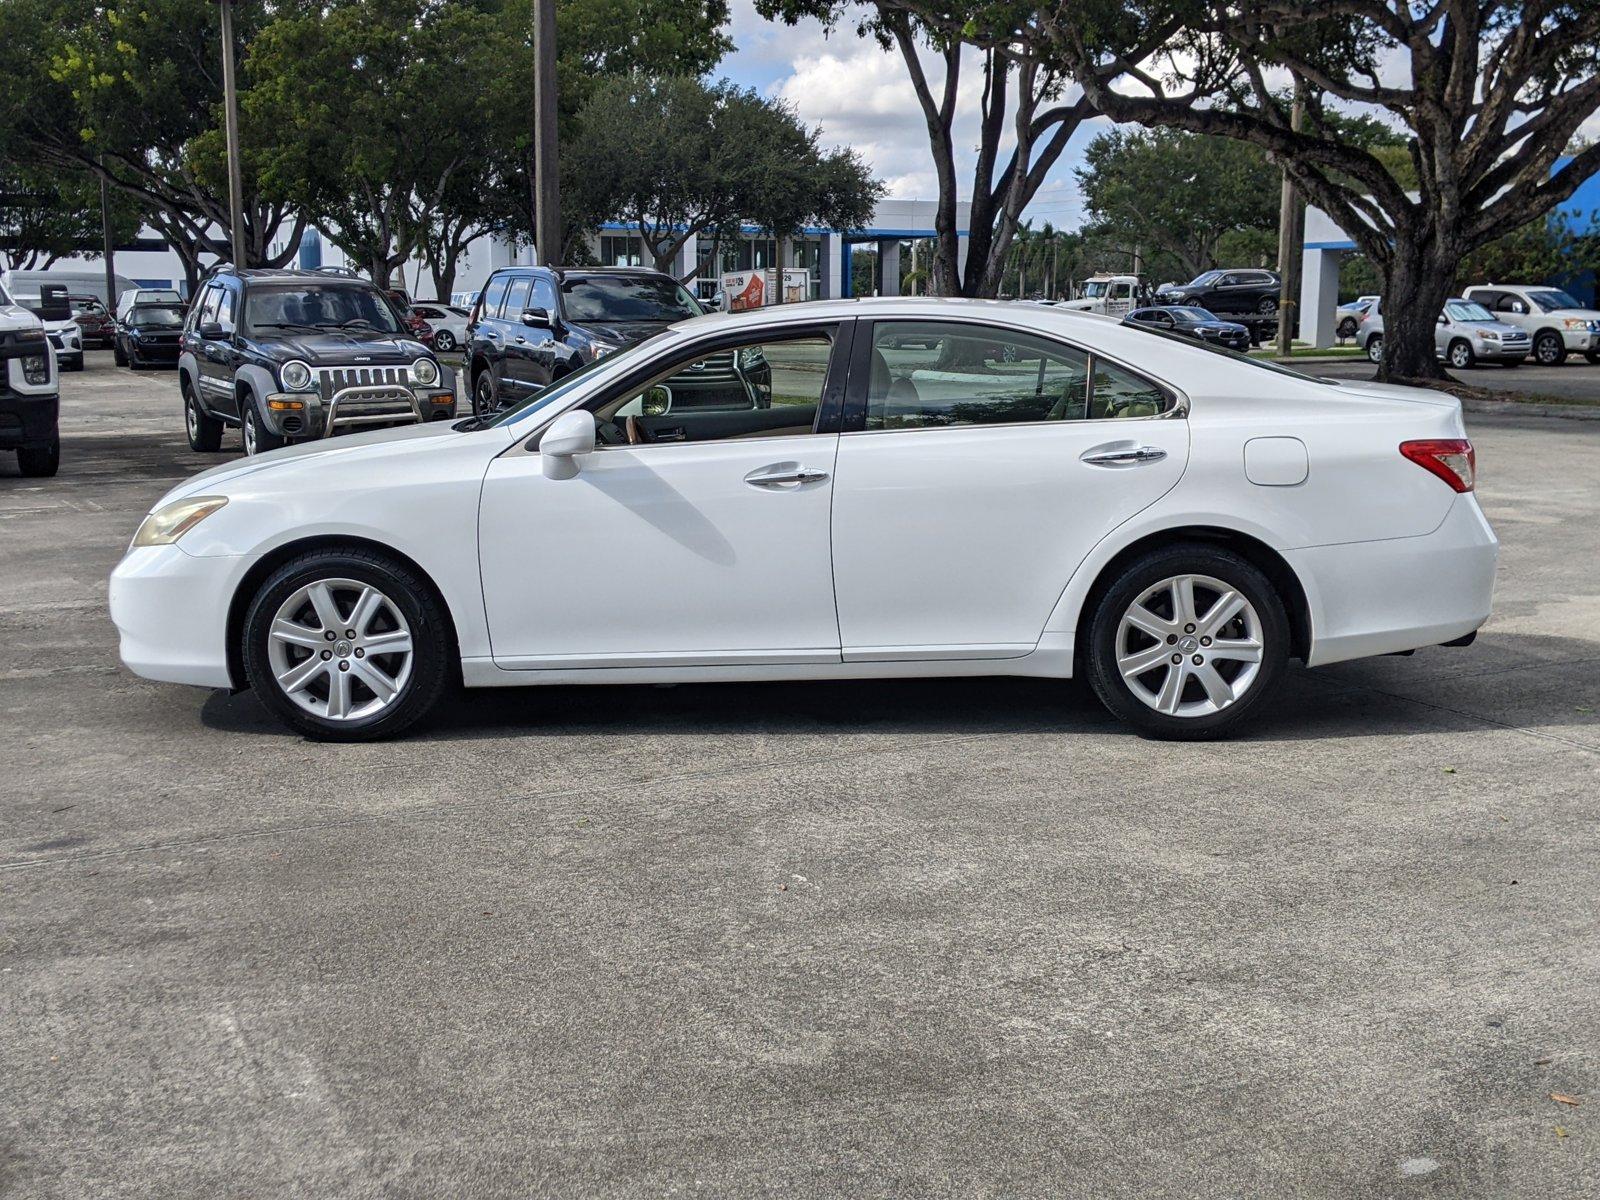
(272, 307)
(930, 375)
(759, 389)
(544, 295)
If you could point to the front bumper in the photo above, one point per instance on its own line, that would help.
(1582, 341)
(1370, 598)
(171, 611)
(29, 412)
(307, 415)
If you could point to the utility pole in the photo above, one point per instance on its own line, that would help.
(105, 239)
(230, 108)
(546, 169)
(1288, 245)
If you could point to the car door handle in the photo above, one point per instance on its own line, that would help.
(1121, 455)
(782, 473)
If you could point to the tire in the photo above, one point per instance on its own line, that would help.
(1266, 306)
(444, 341)
(485, 396)
(1196, 716)
(1375, 348)
(1347, 327)
(40, 464)
(76, 364)
(1549, 350)
(258, 439)
(407, 606)
(117, 356)
(205, 431)
(1460, 355)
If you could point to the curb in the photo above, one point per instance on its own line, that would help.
(1517, 408)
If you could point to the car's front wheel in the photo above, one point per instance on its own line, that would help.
(1347, 327)
(1460, 355)
(347, 645)
(40, 462)
(1375, 348)
(257, 437)
(1549, 350)
(117, 356)
(1187, 643)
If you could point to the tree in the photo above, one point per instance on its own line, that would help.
(1025, 122)
(131, 90)
(48, 215)
(1487, 95)
(1181, 193)
(676, 158)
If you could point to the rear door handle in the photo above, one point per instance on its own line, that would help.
(1122, 454)
(782, 473)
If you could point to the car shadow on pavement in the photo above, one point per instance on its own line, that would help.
(1505, 680)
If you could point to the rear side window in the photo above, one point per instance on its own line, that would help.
(494, 294)
(927, 375)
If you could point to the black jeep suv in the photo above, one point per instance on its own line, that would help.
(292, 355)
(532, 325)
(1236, 291)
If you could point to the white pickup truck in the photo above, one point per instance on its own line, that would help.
(30, 396)
(1111, 295)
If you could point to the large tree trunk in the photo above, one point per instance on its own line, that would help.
(1421, 273)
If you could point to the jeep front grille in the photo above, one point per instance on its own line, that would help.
(333, 380)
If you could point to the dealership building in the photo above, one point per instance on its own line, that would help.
(826, 254)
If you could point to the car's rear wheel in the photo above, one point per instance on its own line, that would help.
(40, 462)
(1375, 348)
(444, 341)
(1187, 643)
(1460, 355)
(1549, 350)
(1267, 304)
(485, 396)
(347, 645)
(205, 431)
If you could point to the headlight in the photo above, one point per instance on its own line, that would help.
(601, 349)
(1488, 335)
(294, 375)
(36, 369)
(750, 357)
(1575, 323)
(425, 371)
(171, 521)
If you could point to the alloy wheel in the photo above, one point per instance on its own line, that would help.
(1189, 646)
(1375, 349)
(1460, 356)
(191, 419)
(340, 649)
(1548, 350)
(249, 433)
(444, 341)
(483, 396)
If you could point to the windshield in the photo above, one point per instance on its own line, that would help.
(605, 298)
(1552, 300)
(1191, 316)
(318, 306)
(1095, 288)
(1467, 310)
(554, 391)
(157, 316)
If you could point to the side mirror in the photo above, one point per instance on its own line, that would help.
(211, 331)
(569, 435)
(657, 401)
(1443, 320)
(538, 318)
(715, 301)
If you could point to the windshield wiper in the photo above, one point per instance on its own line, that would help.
(283, 325)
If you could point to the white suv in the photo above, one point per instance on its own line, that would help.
(1558, 324)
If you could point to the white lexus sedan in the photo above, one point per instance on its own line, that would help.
(833, 490)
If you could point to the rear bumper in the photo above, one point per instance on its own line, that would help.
(1371, 598)
(171, 612)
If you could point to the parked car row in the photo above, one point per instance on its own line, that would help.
(1500, 323)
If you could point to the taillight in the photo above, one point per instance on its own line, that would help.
(1451, 459)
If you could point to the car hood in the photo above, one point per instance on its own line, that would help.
(1500, 327)
(14, 317)
(621, 333)
(334, 451)
(1586, 314)
(341, 347)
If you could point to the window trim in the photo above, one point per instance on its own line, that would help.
(854, 419)
(840, 330)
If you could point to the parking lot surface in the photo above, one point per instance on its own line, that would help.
(921, 938)
(1575, 380)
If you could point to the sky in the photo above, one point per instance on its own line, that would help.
(860, 96)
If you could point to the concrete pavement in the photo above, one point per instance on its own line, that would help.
(896, 939)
